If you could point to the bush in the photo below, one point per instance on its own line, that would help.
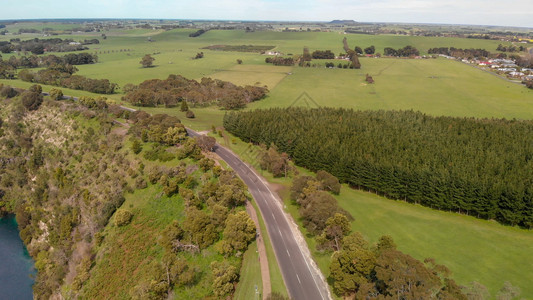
(32, 100)
(136, 146)
(56, 94)
(184, 106)
(190, 114)
(8, 92)
(140, 183)
(122, 217)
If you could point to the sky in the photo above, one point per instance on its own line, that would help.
(478, 12)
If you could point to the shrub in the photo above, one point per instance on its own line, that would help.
(32, 100)
(8, 92)
(122, 217)
(190, 114)
(56, 94)
(140, 183)
(136, 146)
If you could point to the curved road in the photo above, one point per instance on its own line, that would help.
(302, 278)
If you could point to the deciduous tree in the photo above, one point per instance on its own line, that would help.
(147, 61)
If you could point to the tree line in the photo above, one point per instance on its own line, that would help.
(34, 61)
(458, 52)
(39, 46)
(406, 51)
(326, 54)
(511, 48)
(176, 88)
(240, 48)
(280, 61)
(352, 55)
(63, 75)
(481, 167)
(197, 33)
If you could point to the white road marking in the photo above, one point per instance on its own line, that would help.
(242, 167)
(289, 255)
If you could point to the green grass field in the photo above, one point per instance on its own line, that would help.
(473, 249)
(433, 86)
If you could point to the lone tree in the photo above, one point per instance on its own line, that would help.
(147, 61)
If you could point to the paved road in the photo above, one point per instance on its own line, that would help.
(301, 279)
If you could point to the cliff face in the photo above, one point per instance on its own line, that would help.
(134, 210)
(63, 174)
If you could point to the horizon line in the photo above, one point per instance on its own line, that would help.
(267, 21)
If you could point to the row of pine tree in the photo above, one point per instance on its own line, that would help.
(480, 167)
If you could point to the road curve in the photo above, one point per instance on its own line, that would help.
(301, 276)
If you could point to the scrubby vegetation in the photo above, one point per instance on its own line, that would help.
(39, 46)
(63, 75)
(176, 88)
(66, 173)
(382, 271)
(35, 61)
(63, 176)
(478, 167)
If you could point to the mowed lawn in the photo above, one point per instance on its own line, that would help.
(433, 86)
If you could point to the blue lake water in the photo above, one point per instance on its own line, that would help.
(16, 266)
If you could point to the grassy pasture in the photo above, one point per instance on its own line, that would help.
(40, 26)
(473, 249)
(433, 86)
(254, 75)
(293, 42)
